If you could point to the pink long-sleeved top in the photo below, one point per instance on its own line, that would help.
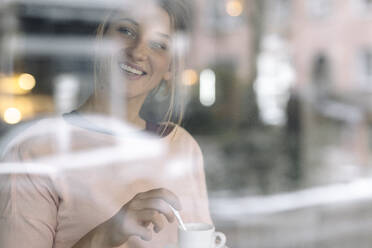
(61, 180)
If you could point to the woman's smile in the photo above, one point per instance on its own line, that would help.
(132, 71)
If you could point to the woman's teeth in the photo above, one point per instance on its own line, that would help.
(127, 68)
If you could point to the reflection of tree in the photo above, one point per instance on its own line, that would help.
(293, 133)
(321, 77)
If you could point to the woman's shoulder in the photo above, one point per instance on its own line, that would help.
(181, 133)
(180, 137)
(173, 131)
(30, 137)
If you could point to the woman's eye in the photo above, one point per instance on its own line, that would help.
(128, 32)
(159, 45)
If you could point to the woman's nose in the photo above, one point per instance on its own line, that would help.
(137, 52)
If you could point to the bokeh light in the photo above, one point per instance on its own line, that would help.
(189, 77)
(26, 81)
(234, 7)
(207, 91)
(12, 116)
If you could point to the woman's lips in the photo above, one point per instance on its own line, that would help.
(131, 71)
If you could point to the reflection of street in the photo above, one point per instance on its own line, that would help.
(332, 216)
(247, 175)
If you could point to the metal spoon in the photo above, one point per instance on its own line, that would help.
(178, 217)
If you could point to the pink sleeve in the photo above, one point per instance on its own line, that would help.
(28, 208)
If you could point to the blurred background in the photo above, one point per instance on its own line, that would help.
(278, 97)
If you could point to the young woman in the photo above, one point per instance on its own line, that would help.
(84, 181)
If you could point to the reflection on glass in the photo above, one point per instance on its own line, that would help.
(282, 115)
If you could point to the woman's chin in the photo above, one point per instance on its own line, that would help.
(132, 94)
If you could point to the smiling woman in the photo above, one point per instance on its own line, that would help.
(111, 184)
(144, 58)
(146, 55)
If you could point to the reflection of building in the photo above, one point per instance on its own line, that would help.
(332, 55)
(339, 53)
(221, 38)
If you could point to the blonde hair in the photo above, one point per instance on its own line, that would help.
(179, 14)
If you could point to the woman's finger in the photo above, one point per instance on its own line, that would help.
(154, 204)
(162, 193)
(151, 216)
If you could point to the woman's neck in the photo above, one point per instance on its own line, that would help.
(133, 107)
(131, 115)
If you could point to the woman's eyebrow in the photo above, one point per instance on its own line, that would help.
(129, 20)
(126, 19)
(167, 36)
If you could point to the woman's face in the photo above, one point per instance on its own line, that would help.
(144, 56)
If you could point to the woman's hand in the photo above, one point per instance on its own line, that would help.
(134, 218)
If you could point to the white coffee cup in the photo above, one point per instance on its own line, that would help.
(200, 235)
